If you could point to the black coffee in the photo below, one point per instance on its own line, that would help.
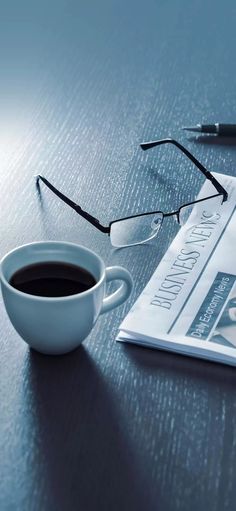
(52, 279)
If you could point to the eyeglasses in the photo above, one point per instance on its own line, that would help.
(140, 228)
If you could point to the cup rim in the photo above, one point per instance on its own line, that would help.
(52, 298)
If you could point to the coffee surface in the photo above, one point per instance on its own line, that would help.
(52, 279)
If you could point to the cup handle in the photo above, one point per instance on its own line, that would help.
(123, 291)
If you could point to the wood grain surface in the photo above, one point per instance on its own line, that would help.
(111, 427)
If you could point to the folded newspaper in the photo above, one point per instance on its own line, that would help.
(189, 304)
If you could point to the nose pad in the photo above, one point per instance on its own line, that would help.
(176, 217)
(156, 223)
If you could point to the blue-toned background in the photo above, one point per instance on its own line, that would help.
(82, 83)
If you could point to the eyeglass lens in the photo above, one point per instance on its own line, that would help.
(135, 230)
(193, 212)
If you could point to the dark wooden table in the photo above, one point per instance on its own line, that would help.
(82, 83)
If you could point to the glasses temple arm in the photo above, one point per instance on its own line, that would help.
(94, 221)
(207, 174)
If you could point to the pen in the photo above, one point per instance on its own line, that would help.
(219, 129)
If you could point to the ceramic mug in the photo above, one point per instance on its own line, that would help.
(58, 325)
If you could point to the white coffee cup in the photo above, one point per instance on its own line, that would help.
(58, 325)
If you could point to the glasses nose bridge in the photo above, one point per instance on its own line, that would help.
(175, 214)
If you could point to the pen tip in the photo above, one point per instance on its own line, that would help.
(192, 128)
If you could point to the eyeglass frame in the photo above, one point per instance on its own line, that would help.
(144, 146)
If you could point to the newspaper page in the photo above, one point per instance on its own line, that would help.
(189, 304)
